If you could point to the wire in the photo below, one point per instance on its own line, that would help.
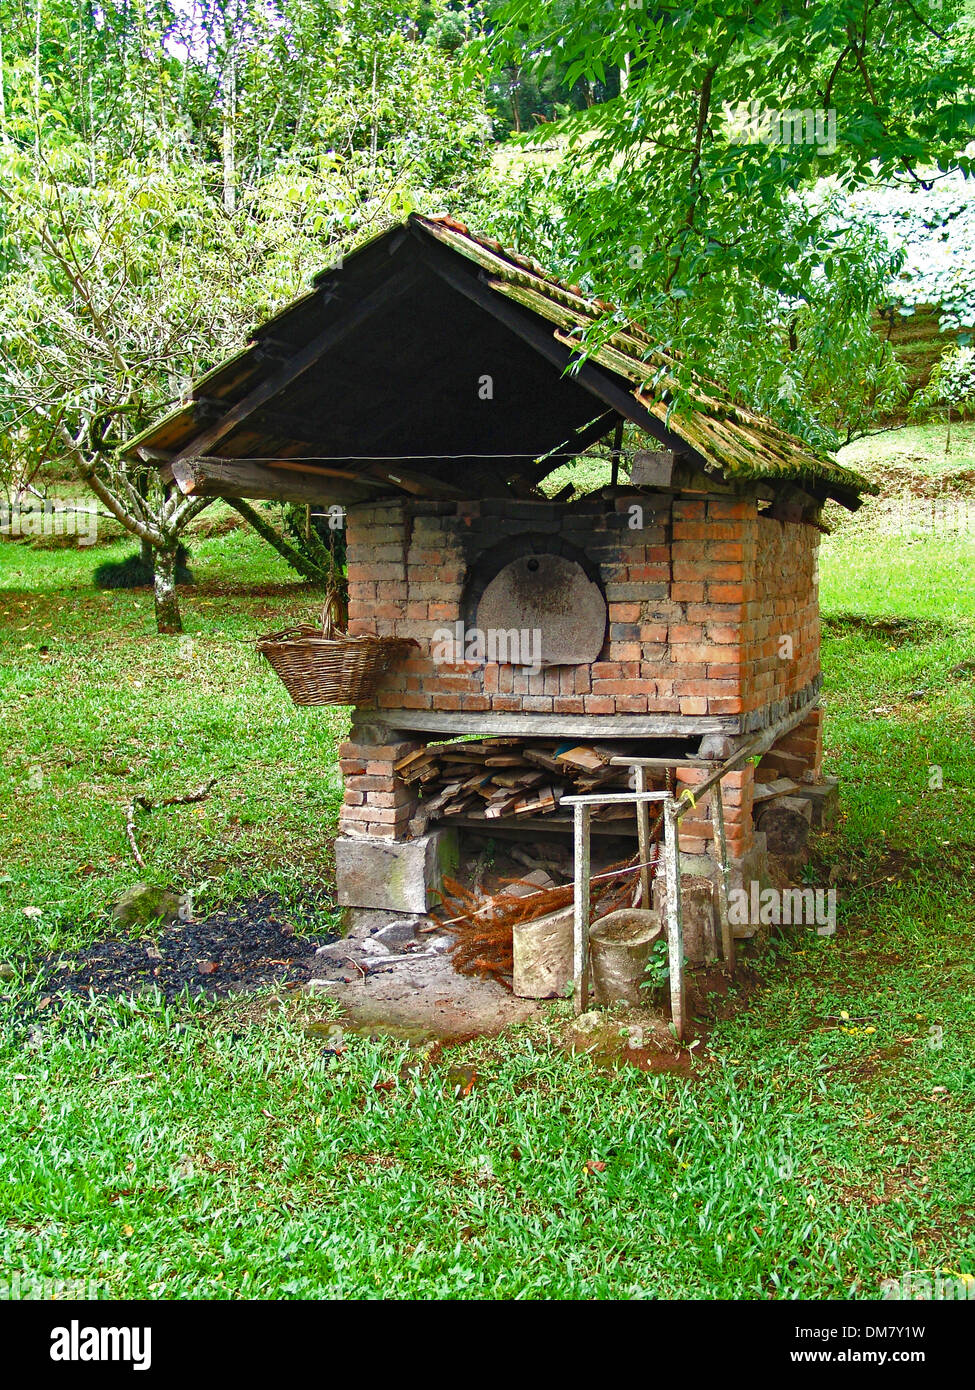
(406, 458)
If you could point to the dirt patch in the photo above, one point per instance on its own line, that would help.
(898, 632)
(895, 866)
(393, 973)
(898, 479)
(642, 1038)
(893, 1186)
(634, 1038)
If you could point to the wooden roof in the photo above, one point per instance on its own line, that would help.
(374, 383)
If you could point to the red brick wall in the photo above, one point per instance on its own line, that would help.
(699, 593)
(696, 832)
(780, 627)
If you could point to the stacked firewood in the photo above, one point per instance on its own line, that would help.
(495, 777)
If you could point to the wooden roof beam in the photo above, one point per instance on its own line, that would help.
(249, 478)
(582, 439)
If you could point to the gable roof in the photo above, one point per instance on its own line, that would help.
(435, 361)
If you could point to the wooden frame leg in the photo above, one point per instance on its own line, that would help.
(727, 932)
(580, 935)
(675, 930)
(643, 838)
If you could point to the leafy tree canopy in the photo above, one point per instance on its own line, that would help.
(684, 197)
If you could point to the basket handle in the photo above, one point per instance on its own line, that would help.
(328, 614)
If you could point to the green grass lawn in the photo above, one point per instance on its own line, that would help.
(98, 708)
(824, 1142)
(922, 446)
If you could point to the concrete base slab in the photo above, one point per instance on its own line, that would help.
(395, 977)
(394, 875)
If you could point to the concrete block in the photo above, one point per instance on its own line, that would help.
(824, 799)
(395, 875)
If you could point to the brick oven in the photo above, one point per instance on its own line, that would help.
(425, 392)
(710, 631)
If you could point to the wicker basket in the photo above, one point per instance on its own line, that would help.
(321, 666)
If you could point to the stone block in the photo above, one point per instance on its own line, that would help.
(145, 903)
(824, 799)
(395, 875)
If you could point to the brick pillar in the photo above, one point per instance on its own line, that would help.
(805, 743)
(376, 539)
(377, 802)
(697, 830)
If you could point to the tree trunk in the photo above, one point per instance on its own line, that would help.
(230, 138)
(167, 599)
(147, 554)
(37, 77)
(3, 102)
(625, 73)
(301, 563)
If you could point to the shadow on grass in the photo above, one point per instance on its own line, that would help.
(893, 630)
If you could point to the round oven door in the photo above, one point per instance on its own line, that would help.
(551, 600)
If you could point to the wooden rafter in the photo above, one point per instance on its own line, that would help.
(394, 288)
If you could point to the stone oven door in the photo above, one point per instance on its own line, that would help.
(548, 599)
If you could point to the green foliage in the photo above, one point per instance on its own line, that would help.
(322, 545)
(951, 384)
(657, 971)
(171, 176)
(953, 380)
(666, 202)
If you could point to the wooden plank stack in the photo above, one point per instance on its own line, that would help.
(494, 777)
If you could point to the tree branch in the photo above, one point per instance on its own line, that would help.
(187, 510)
(86, 469)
